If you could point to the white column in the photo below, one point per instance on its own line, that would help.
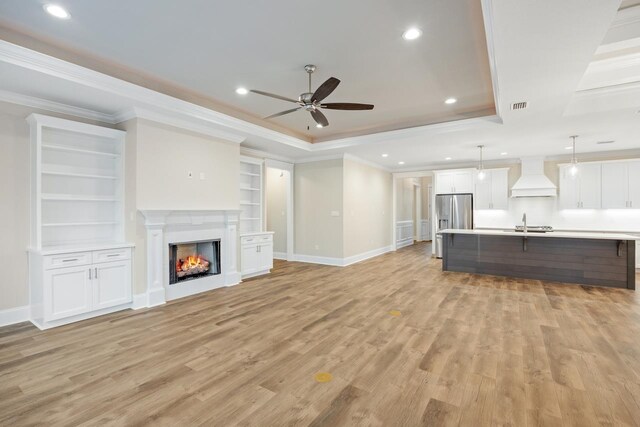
(155, 265)
(230, 266)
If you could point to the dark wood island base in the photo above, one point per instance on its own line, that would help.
(597, 262)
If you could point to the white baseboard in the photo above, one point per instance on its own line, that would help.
(14, 315)
(337, 262)
(366, 255)
(139, 301)
(342, 262)
(280, 255)
(403, 243)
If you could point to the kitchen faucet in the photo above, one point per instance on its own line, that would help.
(524, 221)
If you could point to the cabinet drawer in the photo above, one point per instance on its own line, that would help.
(266, 238)
(66, 260)
(111, 255)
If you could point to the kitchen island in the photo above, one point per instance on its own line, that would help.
(599, 259)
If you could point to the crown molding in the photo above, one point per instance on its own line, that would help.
(186, 123)
(138, 95)
(252, 152)
(360, 160)
(487, 16)
(56, 107)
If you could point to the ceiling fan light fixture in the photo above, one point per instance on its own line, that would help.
(412, 33)
(319, 126)
(57, 11)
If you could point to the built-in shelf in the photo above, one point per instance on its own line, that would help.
(77, 183)
(77, 198)
(75, 224)
(79, 150)
(77, 175)
(251, 187)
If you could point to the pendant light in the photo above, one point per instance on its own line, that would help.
(573, 170)
(481, 173)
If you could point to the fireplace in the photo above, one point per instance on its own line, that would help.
(193, 260)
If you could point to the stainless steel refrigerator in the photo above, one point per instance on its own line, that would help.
(452, 211)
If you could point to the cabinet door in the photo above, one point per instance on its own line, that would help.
(500, 189)
(111, 284)
(633, 169)
(463, 182)
(265, 256)
(444, 183)
(615, 186)
(249, 259)
(67, 292)
(590, 178)
(568, 189)
(482, 199)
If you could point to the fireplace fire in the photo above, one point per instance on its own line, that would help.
(192, 260)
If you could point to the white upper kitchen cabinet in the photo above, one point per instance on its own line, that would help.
(493, 191)
(454, 182)
(582, 191)
(621, 185)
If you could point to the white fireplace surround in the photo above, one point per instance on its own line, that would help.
(165, 227)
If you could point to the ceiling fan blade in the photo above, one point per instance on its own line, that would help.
(346, 106)
(320, 118)
(282, 113)
(273, 95)
(325, 89)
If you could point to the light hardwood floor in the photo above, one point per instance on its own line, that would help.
(464, 350)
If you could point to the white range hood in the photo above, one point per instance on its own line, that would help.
(533, 182)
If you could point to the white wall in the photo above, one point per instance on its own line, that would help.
(318, 190)
(367, 207)
(165, 154)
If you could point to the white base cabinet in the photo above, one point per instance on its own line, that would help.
(256, 253)
(71, 286)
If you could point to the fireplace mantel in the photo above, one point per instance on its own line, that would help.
(169, 226)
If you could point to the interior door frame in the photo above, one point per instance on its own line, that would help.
(289, 177)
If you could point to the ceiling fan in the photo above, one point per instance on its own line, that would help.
(311, 101)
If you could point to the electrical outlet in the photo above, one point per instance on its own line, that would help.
(317, 247)
(201, 176)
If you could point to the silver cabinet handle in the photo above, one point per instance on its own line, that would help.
(70, 259)
(89, 274)
(96, 275)
(112, 255)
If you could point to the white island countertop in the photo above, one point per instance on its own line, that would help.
(561, 234)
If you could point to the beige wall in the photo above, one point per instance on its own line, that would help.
(367, 208)
(404, 199)
(318, 190)
(276, 201)
(164, 157)
(14, 199)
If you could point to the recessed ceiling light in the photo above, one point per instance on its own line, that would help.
(57, 11)
(412, 33)
(568, 148)
(447, 158)
(385, 155)
(450, 101)
(504, 153)
(319, 126)
(401, 163)
(242, 91)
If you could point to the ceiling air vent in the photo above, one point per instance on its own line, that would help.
(519, 105)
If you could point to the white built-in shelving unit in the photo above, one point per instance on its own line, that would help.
(77, 183)
(79, 262)
(251, 195)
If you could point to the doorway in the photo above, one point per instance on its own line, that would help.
(279, 207)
